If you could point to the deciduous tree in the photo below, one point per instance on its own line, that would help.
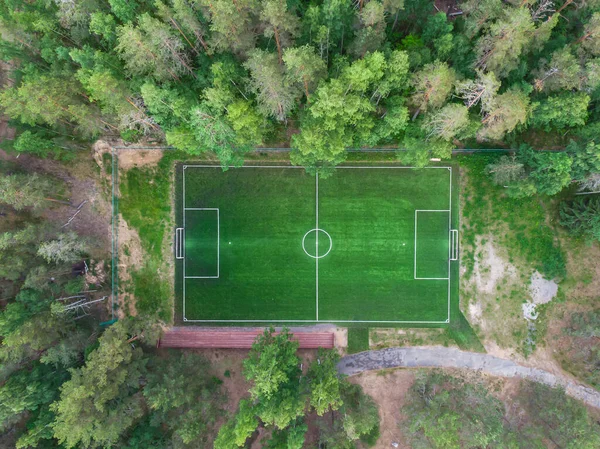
(325, 383)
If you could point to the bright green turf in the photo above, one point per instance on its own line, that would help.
(265, 275)
(432, 244)
(201, 243)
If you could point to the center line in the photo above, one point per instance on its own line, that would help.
(317, 242)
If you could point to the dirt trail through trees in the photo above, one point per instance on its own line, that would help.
(441, 357)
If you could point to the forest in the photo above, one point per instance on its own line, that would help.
(321, 77)
(217, 79)
(220, 77)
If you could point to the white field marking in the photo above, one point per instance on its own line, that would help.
(415, 263)
(339, 166)
(218, 244)
(201, 208)
(449, 227)
(183, 280)
(315, 321)
(317, 244)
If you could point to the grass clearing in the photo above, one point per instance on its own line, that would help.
(358, 339)
(145, 203)
(503, 241)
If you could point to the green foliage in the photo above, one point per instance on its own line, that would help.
(274, 370)
(581, 216)
(561, 112)
(444, 413)
(23, 191)
(551, 171)
(518, 221)
(184, 397)
(438, 34)
(586, 160)
(325, 382)
(37, 144)
(29, 390)
(559, 417)
(100, 401)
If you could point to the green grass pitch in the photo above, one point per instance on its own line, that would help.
(277, 245)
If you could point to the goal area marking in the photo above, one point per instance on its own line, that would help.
(181, 234)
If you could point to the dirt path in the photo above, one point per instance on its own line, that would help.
(441, 357)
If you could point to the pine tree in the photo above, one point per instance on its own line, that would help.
(432, 84)
(561, 72)
(501, 48)
(447, 122)
(187, 20)
(280, 24)
(232, 24)
(482, 89)
(304, 68)
(581, 216)
(372, 32)
(505, 113)
(590, 40)
(275, 96)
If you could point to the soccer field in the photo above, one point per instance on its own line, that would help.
(273, 244)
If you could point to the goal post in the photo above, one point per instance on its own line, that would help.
(453, 244)
(179, 243)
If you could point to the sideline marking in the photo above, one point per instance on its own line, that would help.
(317, 259)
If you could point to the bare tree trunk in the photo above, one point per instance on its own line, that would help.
(278, 42)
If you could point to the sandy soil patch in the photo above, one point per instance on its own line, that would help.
(542, 290)
(138, 158)
(475, 312)
(490, 267)
(489, 292)
(341, 339)
(389, 389)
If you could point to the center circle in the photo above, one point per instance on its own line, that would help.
(317, 243)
